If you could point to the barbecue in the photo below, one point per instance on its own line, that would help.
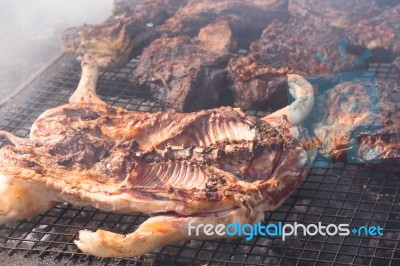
(127, 175)
(215, 166)
(246, 18)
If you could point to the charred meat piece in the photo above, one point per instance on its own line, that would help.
(300, 46)
(186, 74)
(120, 38)
(360, 121)
(112, 43)
(213, 166)
(340, 14)
(247, 18)
(381, 34)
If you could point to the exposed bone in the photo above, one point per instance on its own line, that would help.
(300, 109)
(86, 90)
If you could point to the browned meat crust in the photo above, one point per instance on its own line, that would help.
(247, 18)
(183, 163)
(187, 74)
(259, 79)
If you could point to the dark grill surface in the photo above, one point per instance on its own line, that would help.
(350, 194)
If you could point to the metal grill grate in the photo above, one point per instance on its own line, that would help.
(343, 194)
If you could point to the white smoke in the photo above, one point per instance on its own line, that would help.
(30, 33)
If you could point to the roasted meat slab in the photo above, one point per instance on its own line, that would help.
(123, 36)
(360, 122)
(216, 166)
(187, 74)
(112, 43)
(300, 47)
(247, 18)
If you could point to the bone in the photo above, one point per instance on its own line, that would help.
(300, 109)
(86, 90)
(155, 232)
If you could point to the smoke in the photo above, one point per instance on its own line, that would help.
(31, 31)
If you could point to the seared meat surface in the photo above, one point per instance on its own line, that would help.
(187, 74)
(360, 121)
(216, 166)
(112, 43)
(247, 18)
(340, 13)
(119, 39)
(300, 46)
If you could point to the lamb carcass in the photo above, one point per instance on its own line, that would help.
(216, 166)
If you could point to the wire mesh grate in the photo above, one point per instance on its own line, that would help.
(346, 193)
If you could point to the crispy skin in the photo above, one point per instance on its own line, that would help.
(186, 74)
(381, 34)
(247, 18)
(340, 14)
(359, 121)
(116, 41)
(259, 79)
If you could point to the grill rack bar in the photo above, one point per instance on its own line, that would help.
(343, 194)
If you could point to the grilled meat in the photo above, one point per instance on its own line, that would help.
(300, 46)
(359, 121)
(112, 43)
(216, 166)
(381, 34)
(187, 74)
(247, 18)
(340, 14)
(119, 39)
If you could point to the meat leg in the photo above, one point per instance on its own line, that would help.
(300, 109)
(155, 232)
(21, 199)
